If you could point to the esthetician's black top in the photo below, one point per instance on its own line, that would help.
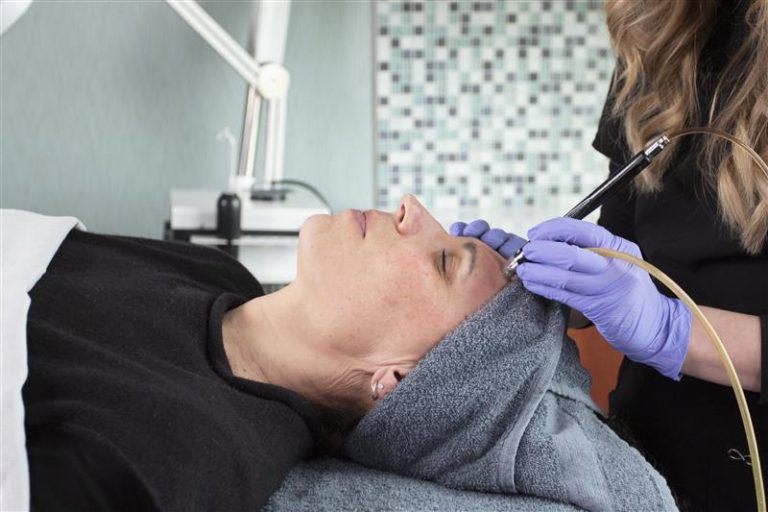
(692, 429)
(130, 401)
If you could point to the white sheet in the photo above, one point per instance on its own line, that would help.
(28, 242)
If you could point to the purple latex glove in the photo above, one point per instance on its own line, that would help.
(506, 244)
(619, 298)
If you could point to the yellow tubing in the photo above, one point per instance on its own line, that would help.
(746, 418)
(700, 130)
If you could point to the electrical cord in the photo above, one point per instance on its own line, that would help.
(306, 186)
(746, 418)
(700, 130)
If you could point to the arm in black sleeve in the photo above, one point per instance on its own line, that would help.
(71, 469)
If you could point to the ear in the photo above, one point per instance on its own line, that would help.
(386, 378)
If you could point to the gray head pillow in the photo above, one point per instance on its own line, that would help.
(502, 404)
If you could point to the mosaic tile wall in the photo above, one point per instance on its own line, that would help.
(490, 106)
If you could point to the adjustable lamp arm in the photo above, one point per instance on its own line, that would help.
(267, 79)
(270, 80)
(11, 11)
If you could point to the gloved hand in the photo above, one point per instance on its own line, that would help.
(619, 298)
(507, 244)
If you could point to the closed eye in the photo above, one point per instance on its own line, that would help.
(442, 263)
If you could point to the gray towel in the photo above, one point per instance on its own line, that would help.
(502, 405)
(334, 485)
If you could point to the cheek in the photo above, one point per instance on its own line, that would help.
(475, 296)
(320, 249)
(402, 278)
(402, 299)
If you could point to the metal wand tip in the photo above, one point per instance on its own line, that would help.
(509, 270)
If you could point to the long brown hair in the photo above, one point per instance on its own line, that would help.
(658, 44)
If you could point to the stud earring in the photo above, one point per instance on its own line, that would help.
(374, 391)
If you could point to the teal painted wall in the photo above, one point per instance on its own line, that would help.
(106, 106)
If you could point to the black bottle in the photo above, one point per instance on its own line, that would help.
(228, 210)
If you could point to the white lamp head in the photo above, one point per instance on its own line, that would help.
(10, 11)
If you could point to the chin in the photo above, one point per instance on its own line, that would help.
(314, 226)
(313, 221)
(313, 241)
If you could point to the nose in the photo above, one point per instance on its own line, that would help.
(412, 218)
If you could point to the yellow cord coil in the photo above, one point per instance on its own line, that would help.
(746, 418)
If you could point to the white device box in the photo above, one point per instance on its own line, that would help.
(270, 229)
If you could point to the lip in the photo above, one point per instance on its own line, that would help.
(361, 219)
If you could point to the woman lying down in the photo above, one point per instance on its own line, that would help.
(161, 377)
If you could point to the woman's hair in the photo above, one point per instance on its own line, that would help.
(336, 414)
(658, 44)
(332, 425)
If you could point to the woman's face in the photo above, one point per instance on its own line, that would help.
(392, 284)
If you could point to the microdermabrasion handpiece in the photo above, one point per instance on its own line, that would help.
(606, 189)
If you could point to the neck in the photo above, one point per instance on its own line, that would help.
(273, 339)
